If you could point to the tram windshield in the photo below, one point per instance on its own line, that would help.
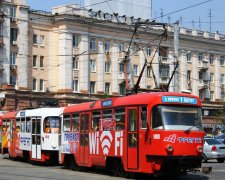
(176, 118)
(51, 125)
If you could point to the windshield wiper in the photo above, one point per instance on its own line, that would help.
(189, 129)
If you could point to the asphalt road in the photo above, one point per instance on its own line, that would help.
(17, 170)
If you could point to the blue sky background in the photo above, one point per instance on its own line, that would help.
(190, 17)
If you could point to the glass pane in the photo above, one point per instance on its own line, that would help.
(66, 123)
(84, 122)
(144, 117)
(132, 121)
(132, 140)
(120, 118)
(75, 122)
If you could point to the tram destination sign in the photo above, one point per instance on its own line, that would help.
(107, 103)
(178, 99)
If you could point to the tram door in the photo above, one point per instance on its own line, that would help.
(132, 138)
(84, 141)
(11, 139)
(36, 138)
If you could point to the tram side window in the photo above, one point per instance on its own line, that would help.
(96, 116)
(75, 122)
(17, 125)
(157, 118)
(107, 114)
(120, 118)
(22, 125)
(66, 123)
(144, 120)
(28, 125)
(5, 125)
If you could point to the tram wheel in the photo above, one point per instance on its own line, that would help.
(118, 169)
(204, 158)
(72, 163)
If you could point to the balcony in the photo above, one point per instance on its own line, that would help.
(163, 80)
(163, 60)
(1, 68)
(13, 67)
(202, 65)
(202, 84)
(1, 41)
(121, 76)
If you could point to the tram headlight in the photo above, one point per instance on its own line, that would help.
(200, 149)
(169, 148)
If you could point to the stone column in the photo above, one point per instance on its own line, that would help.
(100, 68)
(217, 82)
(172, 67)
(22, 56)
(195, 72)
(144, 75)
(155, 66)
(115, 71)
(84, 70)
(183, 70)
(65, 61)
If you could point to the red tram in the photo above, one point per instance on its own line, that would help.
(144, 133)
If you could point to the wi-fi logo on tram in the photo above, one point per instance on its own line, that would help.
(106, 140)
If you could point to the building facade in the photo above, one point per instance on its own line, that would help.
(71, 55)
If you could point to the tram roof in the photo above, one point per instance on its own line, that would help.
(40, 112)
(137, 99)
(9, 115)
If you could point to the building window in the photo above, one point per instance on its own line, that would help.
(199, 57)
(200, 95)
(222, 78)
(75, 85)
(12, 11)
(188, 75)
(222, 60)
(211, 59)
(92, 44)
(149, 87)
(188, 56)
(13, 80)
(222, 96)
(164, 71)
(121, 47)
(121, 68)
(75, 41)
(42, 87)
(13, 34)
(149, 71)
(34, 84)
(92, 65)
(200, 75)
(211, 78)
(148, 51)
(107, 67)
(106, 46)
(107, 86)
(122, 89)
(34, 61)
(211, 95)
(75, 63)
(35, 39)
(135, 70)
(42, 40)
(13, 58)
(92, 87)
(41, 61)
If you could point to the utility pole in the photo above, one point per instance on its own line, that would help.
(210, 20)
(176, 58)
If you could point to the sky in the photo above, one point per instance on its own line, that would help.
(190, 13)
